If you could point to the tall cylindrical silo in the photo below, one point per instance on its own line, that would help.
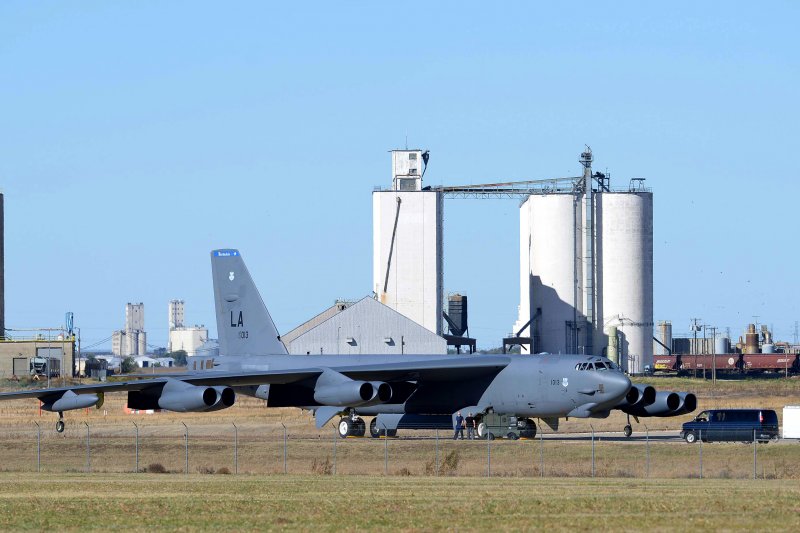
(552, 271)
(524, 311)
(142, 341)
(664, 335)
(624, 262)
(722, 345)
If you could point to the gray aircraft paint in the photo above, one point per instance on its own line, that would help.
(535, 386)
(255, 363)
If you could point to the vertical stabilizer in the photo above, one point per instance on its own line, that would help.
(243, 322)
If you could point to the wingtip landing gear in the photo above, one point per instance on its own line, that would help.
(60, 423)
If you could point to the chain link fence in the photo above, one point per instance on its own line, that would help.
(183, 448)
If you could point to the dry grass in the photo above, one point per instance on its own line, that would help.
(156, 502)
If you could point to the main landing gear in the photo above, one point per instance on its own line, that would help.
(60, 423)
(352, 426)
(376, 432)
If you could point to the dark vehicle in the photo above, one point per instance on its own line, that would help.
(743, 425)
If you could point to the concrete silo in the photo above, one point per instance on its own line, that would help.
(407, 243)
(624, 275)
(555, 272)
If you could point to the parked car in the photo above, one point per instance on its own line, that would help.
(744, 425)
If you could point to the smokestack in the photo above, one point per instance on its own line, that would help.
(2, 272)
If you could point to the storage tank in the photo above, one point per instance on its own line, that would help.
(664, 337)
(613, 344)
(624, 262)
(751, 339)
(524, 310)
(142, 343)
(722, 345)
(552, 271)
(768, 348)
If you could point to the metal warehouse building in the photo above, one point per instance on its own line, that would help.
(366, 326)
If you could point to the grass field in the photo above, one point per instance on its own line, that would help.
(158, 502)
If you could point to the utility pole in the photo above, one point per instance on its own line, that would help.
(714, 355)
(694, 328)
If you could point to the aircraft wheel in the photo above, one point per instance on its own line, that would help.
(490, 436)
(359, 428)
(529, 431)
(391, 432)
(345, 427)
(512, 436)
(628, 430)
(374, 432)
(690, 437)
(482, 430)
(60, 426)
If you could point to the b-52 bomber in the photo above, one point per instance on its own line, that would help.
(400, 391)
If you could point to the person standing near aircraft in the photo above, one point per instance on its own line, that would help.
(459, 433)
(470, 421)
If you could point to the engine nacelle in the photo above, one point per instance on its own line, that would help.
(687, 405)
(638, 396)
(383, 391)
(346, 394)
(183, 397)
(226, 397)
(69, 401)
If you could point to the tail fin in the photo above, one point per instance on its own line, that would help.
(243, 322)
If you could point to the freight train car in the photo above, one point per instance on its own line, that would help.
(685, 363)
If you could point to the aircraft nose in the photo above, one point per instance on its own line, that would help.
(617, 384)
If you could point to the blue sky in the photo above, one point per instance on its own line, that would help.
(136, 137)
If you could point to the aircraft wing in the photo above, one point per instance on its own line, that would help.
(455, 369)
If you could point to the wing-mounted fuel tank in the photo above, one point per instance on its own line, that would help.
(69, 401)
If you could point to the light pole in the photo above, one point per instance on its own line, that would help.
(713, 353)
(694, 328)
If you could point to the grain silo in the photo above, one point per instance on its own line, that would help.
(407, 243)
(624, 275)
(586, 260)
(554, 269)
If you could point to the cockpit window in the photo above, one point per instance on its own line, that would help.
(600, 365)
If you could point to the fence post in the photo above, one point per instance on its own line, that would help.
(591, 426)
(385, 450)
(38, 447)
(335, 436)
(235, 449)
(88, 450)
(186, 441)
(701, 453)
(488, 454)
(437, 452)
(284, 447)
(136, 447)
(755, 455)
(647, 448)
(541, 451)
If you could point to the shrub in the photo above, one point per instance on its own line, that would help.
(155, 468)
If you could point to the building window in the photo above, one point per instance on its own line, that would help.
(412, 171)
(412, 156)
